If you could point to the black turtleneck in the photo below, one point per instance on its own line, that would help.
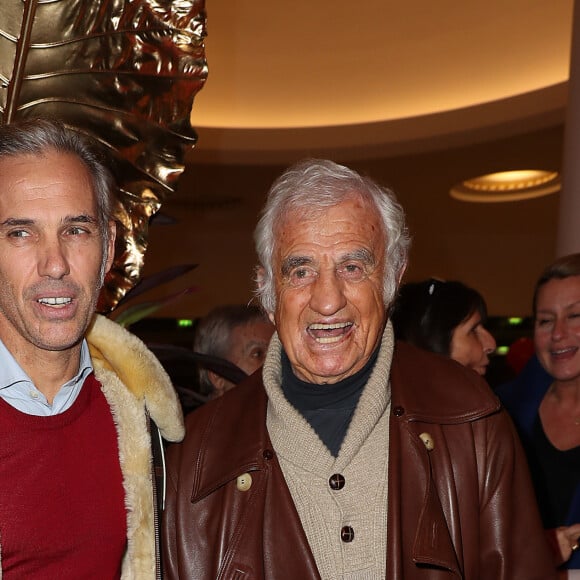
(328, 408)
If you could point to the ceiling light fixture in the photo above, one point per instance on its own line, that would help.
(507, 186)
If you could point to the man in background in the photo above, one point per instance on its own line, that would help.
(76, 390)
(236, 333)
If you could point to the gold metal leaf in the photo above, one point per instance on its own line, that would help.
(124, 71)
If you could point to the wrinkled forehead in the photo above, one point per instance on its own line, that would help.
(558, 291)
(294, 212)
(50, 174)
(337, 234)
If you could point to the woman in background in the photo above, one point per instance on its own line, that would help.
(446, 318)
(547, 412)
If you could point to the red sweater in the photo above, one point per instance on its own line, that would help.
(62, 509)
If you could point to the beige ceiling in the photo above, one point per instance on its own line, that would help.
(417, 94)
(383, 74)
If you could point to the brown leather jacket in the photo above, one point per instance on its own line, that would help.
(460, 500)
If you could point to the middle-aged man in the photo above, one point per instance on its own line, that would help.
(348, 456)
(77, 498)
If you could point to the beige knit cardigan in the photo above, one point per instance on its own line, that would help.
(307, 466)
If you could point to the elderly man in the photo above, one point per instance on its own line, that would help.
(76, 487)
(348, 456)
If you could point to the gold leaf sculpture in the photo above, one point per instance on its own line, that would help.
(123, 71)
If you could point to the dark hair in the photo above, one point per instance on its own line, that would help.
(213, 334)
(564, 267)
(426, 313)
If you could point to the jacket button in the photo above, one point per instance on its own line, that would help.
(427, 441)
(267, 454)
(398, 411)
(336, 481)
(244, 482)
(347, 534)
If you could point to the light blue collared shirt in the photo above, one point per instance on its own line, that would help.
(18, 390)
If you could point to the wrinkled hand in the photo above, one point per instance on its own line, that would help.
(564, 540)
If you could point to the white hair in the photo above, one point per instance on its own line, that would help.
(311, 186)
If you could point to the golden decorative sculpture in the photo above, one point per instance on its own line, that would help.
(124, 71)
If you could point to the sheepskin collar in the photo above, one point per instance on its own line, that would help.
(115, 349)
(133, 381)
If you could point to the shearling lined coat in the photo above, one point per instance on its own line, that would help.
(135, 385)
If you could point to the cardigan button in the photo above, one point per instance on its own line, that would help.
(267, 454)
(347, 534)
(244, 482)
(398, 411)
(336, 481)
(427, 441)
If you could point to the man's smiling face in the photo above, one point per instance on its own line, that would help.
(51, 252)
(329, 276)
